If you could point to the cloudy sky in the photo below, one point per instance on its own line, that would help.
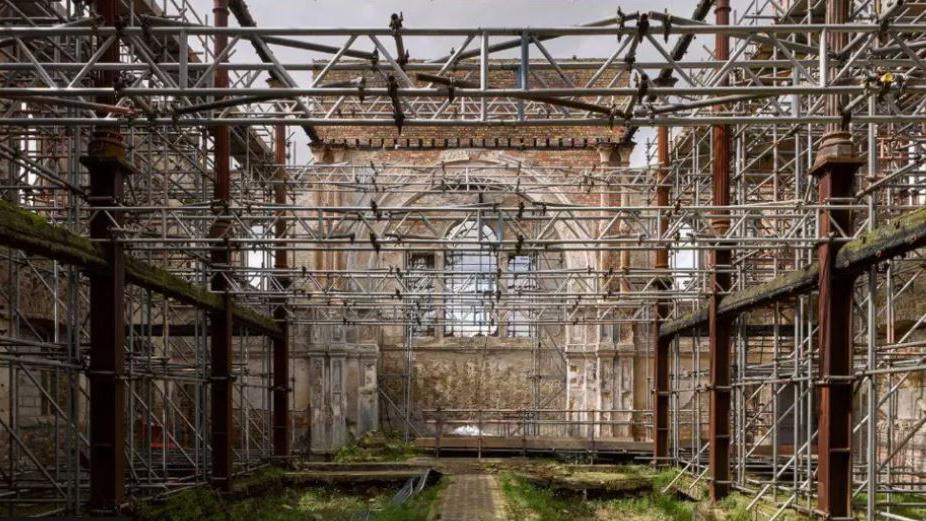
(450, 13)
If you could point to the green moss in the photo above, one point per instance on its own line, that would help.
(884, 241)
(375, 446)
(33, 233)
(903, 233)
(781, 285)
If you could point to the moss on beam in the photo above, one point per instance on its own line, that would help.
(904, 234)
(170, 285)
(791, 283)
(683, 323)
(32, 233)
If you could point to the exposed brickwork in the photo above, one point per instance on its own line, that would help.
(528, 136)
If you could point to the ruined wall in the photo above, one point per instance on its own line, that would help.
(591, 370)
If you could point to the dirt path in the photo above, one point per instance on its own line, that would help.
(471, 497)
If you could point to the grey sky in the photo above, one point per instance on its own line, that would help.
(450, 13)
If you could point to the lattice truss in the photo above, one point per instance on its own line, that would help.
(770, 91)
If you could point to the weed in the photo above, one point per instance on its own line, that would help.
(417, 508)
(904, 504)
(373, 447)
(264, 496)
(528, 501)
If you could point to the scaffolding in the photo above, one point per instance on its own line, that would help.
(770, 250)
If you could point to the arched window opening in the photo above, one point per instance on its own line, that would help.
(471, 281)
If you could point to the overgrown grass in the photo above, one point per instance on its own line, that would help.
(375, 447)
(656, 504)
(198, 503)
(662, 478)
(262, 478)
(913, 511)
(265, 497)
(656, 507)
(528, 501)
(733, 508)
(416, 509)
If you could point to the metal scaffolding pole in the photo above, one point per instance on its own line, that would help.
(834, 169)
(662, 344)
(220, 324)
(281, 387)
(718, 325)
(106, 162)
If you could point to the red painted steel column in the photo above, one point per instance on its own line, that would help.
(106, 163)
(221, 321)
(661, 358)
(280, 344)
(719, 326)
(835, 168)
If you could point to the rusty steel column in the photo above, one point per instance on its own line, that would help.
(105, 161)
(835, 168)
(220, 327)
(661, 309)
(719, 326)
(281, 343)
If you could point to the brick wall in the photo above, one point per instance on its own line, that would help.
(503, 75)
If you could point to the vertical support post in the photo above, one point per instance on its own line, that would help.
(719, 326)
(106, 163)
(664, 282)
(280, 344)
(835, 168)
(221, 321)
